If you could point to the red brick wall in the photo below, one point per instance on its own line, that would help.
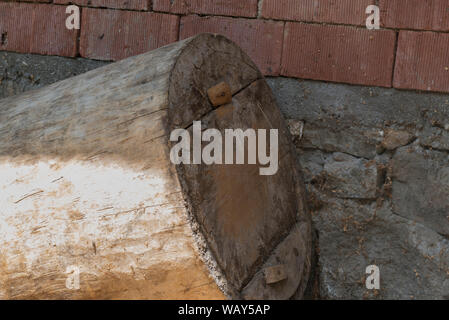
(309, 39)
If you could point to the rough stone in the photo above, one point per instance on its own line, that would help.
(359, 142)
(421, 187)
(396, 138)
(392, 214)
(350, 177)
(22, 72)
(413, 260)
(341, 174)
(296, 128)
(371, 107)
(435, 138)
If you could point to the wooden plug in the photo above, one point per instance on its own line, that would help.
(275, 274)
(220, 94)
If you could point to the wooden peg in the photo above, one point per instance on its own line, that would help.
(275, 274)
(220, 94)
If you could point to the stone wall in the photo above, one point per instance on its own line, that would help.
(376, 163)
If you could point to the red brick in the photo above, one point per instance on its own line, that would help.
(118, 4)
(117, 34)
(36, 28)
(261, 40)
(338, 53)
(330, 11)
(422, 61)
(238, 8)
(415, 14)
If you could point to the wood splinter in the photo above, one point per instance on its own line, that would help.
(220, 94)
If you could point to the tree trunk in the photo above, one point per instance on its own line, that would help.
(93, 208)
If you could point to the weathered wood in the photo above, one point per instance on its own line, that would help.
(87, 184)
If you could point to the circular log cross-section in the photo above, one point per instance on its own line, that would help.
(93, 207)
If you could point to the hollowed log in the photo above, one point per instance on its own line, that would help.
(87, 185)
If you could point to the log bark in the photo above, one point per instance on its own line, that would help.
(88, 191)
